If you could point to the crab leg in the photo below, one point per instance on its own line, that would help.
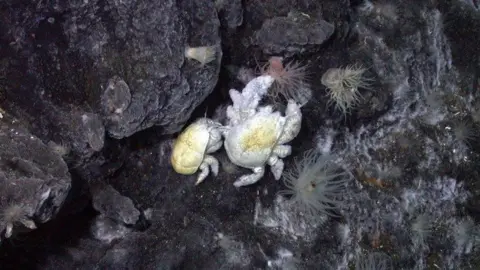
(282, 151)
(276, 166)
(246, 180)
(208, 162)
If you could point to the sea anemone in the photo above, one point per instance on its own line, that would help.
(290, 80)
(315, 184)
(421, 228)
(204, 54)
(466, 235)
(343, 86)
(463, 132)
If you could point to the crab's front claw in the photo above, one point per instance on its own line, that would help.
(249, 179)
(266, 109)
(209, 162)
(282, 151)
(277, 169)
(293, 108)
(293, 122)
(276, 166)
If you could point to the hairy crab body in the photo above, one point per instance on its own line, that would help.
(252, 142)
(260, 139)
(192, 148)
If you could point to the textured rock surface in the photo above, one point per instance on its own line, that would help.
(112, 204)
(123, 62)
(293, 34)
(34, 179)
(230, 13)
(410, 142)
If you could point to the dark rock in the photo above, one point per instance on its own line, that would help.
(132, 253)
(230, 13)
(124, 62)
(107, 230)
(34, 179)
(462, 22)
(112, 204)
(117, 97)
(294, 34)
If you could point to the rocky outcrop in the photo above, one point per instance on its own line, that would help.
(34, 179)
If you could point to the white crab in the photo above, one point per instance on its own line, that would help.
(191, 149)
(254, 138)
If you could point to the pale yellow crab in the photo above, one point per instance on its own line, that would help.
(191, 149)
(255, 140)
